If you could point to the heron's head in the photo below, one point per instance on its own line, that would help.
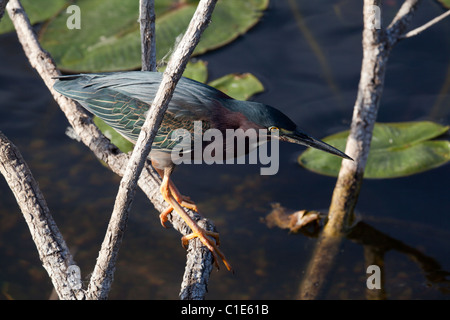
(277, 122)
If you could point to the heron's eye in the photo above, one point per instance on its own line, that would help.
(273, 128)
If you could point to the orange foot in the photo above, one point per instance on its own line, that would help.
(211, 241)
(208, 238)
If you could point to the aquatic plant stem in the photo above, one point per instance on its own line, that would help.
(430, 23)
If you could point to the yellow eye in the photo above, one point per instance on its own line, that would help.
(271, 129)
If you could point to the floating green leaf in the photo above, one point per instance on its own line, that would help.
(109, 38)
(116, 138)
(195, 70)
(238, 86)
(445, 3)
(397, 149)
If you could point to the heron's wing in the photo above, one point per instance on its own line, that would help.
(191, 99)
(125, 110)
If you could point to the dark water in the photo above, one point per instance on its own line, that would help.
(308, 56)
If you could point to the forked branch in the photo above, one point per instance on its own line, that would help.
(377, 45)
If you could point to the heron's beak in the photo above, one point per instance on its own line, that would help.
(302, 138)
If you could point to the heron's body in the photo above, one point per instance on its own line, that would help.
(122, 100)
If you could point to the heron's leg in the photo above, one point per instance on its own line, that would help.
(208, 238)
(185, 201)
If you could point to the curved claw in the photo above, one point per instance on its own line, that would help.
(163, 216)
(211, 244)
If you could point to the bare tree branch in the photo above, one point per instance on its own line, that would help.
(427, 25)
(53, 251)
(377, 44)
(89, 134)
(148, 36)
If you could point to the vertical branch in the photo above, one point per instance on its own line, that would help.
(377, 44)
(102, 276)
(148, 36)
(375, 56)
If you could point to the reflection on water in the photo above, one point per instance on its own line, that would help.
(410, 214)
(376, 245)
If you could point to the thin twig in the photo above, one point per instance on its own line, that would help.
(102, 276)
(427, 25)
(148, 36)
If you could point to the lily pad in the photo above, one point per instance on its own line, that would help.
(37, 11)
(195, 70)
(397, 150)
(116, 138)
(109, 38)
(238, 86)
(445, 3)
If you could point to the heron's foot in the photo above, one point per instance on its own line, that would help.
(211, 241)
(208, 238)
(187, 203)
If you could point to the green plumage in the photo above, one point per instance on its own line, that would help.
(122, 100)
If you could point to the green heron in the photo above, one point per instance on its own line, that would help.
(122, 99)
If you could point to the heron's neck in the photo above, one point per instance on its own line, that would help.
(234, 114)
